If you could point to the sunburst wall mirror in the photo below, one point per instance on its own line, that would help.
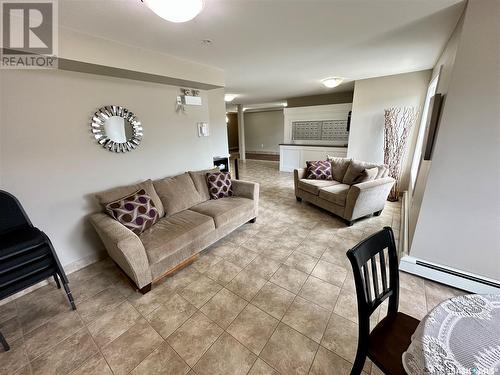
(116, 128)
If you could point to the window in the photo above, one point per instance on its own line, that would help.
(431, 91)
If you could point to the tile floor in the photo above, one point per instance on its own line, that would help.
(275, 297)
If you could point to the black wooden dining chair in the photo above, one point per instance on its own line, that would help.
(375, 266)
(26, 253)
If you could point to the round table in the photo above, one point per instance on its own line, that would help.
(461, 336)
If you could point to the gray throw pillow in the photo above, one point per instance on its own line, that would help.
(339, 167)
(368, 174)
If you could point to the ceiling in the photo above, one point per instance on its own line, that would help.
(275, 49)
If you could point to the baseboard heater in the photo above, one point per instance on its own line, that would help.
(450, 276)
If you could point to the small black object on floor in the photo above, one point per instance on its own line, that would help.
(26, 254)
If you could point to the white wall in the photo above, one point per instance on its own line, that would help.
(371, 97)
(459, 218)
(263, 131)
(53, 165)
(443, 67)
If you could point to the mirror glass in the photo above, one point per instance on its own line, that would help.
(118, 129)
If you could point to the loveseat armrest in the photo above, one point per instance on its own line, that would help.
(298, 174)
(124, 247)
(367, 197)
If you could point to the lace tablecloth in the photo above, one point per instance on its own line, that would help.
(461, 336)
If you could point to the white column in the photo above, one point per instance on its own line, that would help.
(241, 131)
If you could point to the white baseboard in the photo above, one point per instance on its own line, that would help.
(69, 269)
(449, 276)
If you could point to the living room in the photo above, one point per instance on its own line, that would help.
(127, 247)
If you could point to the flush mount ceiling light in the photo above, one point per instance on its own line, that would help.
(175, 10)
(228, 98)
(284, 104)
(332, 82)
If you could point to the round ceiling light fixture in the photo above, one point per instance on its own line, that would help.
(175, 10)
(228, 98)
(332, 82)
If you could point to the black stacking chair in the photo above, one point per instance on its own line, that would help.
(26, 253)
(392, 336)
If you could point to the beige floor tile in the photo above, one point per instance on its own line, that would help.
(14, 360)
(241, 257)
(200, 291)
(95, 365)
(147, 303)
(253, 327)
(289, 278)
(224, 307)
(411, 283)
(163, 361)
(170, 316)
(49, 334)
(66, 356)
(128, 350)
(33, 312)
(436, 293)
(262, 368)
(246, 284)
(11, 329)
(113, 324)
(223, 272)
(289, 352)
(82, 291)
(273, 299)
(413, 304)
(263, 267)
(226, 357)
(327, 363)
(332, 273)
(277, 252)
(336, 256)
(98, 305)
(222, 249)
(347, 305)
(341, 337)
(307, 318)
(301, 261)
(205, 261)
(312, 248)
(320, 292)
(194, 337)
(8, 311)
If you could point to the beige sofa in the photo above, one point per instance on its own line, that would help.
(189, 222)
(342, 195)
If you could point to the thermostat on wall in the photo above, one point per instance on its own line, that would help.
(203, 130)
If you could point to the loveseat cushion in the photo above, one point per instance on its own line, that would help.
(357, 167)
(116, 193)
(335, 194)
(225, 210)
(177, 193)
(339, 167)
(200, 182)
(174, 232)
(313, 186)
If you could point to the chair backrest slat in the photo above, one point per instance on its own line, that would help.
(367, 282)
(383, 271)
(375, 277)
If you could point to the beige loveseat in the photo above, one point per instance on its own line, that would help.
(342, 195)
(189, 222)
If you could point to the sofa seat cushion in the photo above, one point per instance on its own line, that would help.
(225, 210)
(172, 233)
(313, 186)
(335, 194)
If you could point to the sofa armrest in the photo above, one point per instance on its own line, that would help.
(247, 189)
(367, 197)
(124, 247)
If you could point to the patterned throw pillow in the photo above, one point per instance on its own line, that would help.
(319, 170)
(219, 185)
(135, 211)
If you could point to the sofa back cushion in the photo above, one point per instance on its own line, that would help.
(116, 193)
(177, 193)
(368, 174)
(200, 182)
(319, 170)
(339, 167)
(136, 211)
(357, 167)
